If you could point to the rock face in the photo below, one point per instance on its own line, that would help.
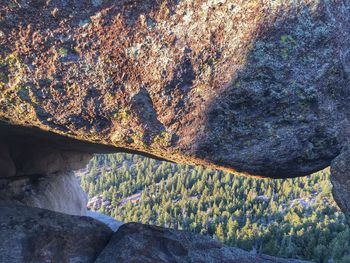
(340, 178)
(59, 192)
(38, 235)
(18, 160)
(254, 86)
(39, 176)
(135, 242)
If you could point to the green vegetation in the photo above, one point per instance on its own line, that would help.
(162, 138)
(63, 51)
(123, 115)
(288, 39)
(287, 42)
(7, 64)
(295, 218)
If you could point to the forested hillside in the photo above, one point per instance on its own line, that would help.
(295, 218)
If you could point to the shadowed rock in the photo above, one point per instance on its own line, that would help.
(135, 242)
(37, 168)
(38, 235)
(340, 178)
(38, 174)
(59, 192)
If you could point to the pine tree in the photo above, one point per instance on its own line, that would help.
(219, 232)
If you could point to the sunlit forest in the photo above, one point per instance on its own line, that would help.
(294, 218)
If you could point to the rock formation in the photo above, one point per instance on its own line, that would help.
(60, 193)
(340, 178)
(38, 173)
(38, 235)
(260, 87)
(143, 243)
(253, 87)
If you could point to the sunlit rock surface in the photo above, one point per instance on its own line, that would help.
(260, 87)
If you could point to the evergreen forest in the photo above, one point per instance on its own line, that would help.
(292, 218)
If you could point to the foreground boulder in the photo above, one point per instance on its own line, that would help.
(253, 86)
(134, 242)
(30, 234)
(37, 235)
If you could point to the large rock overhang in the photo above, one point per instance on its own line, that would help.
(31, 139)
(25, 145)
(264, 92)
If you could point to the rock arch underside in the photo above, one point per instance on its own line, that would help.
(254, 87)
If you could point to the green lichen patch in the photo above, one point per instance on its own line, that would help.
(9, 64)
(163, 138)
(287, 43)
(122, 115)
(288, 39)
(12, 4)
(63, 51)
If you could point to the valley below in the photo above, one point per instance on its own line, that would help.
(292, 218)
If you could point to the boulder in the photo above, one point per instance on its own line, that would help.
(258, 87)
(135, 242)
(38, 235)
(30, 234)
(340, 178)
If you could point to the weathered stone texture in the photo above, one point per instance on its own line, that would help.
(254, 86)
(60, 192)
(340, 178)
(36, 235)
(40, 175)
(137, 243)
